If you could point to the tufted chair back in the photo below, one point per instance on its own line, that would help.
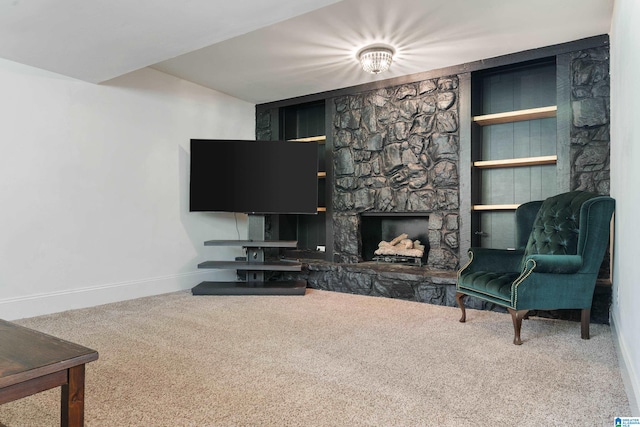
(556, 226)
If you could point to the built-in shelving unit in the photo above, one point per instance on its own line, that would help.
(514, 149)
(253, 268)
(319, 139)
(305, 122)
(308, 123)
(513, 117)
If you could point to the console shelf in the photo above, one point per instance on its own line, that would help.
(291, 287)
(253, 243)
(252, 266)
(255, 266)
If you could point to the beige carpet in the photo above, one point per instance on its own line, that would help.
(328, 359)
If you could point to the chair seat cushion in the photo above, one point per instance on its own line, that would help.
(496, 285)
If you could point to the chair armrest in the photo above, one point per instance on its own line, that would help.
(560, 264)
(496, 260)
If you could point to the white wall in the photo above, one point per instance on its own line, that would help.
(625, 175)
(94, 187)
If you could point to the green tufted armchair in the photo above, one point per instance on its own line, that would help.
(561, 244)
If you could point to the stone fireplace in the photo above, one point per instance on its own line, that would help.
(397, 151)
(395, 157)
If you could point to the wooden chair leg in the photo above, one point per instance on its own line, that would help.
(459, 296)
(516, 317)
(584, 323)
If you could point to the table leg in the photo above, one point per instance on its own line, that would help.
(72, 399)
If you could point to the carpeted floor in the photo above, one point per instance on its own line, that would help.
(328, 359)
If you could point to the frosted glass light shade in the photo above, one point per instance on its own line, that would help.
(375, 60)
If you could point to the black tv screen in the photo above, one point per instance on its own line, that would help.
(253, 176)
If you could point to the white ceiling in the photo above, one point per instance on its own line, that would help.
(267, 50)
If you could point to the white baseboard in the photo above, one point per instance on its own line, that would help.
(627, 370)
(54, 302)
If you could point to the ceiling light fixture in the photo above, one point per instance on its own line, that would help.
(376, 59)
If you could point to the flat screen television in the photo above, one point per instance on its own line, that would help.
(253, 176)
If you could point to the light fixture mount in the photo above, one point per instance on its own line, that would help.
(376, 59)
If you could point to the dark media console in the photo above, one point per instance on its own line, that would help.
(254, 266)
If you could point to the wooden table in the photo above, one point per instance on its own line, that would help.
(31, 362)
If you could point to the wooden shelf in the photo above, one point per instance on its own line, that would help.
(319, 138)
(516, 116)
(522, 161)
(322, 174)
(322, 209)
(495, 207)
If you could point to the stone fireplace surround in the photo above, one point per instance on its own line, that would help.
(395, 151)
(395, 154)
(395, 163)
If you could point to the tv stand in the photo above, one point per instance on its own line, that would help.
(254, 266)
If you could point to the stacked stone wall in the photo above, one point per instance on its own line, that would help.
(396, 150)
(590, 101)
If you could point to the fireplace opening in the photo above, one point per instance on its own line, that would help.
(386, 226)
